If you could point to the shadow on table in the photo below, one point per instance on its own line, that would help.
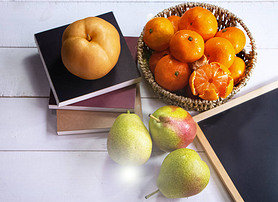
(36, 76)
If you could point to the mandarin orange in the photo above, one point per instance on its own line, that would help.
(218, 49)
(187, 46)
(237, 70)
(155, 57)
(157, 33)
(199, 20)
(211, 81)
(171, 74)
(174, 19)
(235, 35)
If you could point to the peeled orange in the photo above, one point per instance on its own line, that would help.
(211, 81)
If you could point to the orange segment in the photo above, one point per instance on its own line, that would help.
(209, 94)
(191, 83)
(211, 81)
(229, 87)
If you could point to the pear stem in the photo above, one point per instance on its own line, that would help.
(153, 117)
(148, 196)
(89, 38)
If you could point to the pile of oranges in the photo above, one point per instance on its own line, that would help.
(190, 53)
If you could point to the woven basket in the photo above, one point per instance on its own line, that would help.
(224, 19)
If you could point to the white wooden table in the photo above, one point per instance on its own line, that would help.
(38, 165)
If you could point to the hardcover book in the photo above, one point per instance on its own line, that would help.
(68, 88)
(116, 101)
(119, 100)
(80, 122)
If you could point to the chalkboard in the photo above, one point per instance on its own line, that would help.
(245, 139)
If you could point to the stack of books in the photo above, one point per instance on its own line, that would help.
(86, 106)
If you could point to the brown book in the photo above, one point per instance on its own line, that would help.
(80, 121)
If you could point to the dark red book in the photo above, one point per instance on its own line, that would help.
(81, 121)
(120, 100)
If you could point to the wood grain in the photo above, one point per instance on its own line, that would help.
(46, 15)
(38, 165)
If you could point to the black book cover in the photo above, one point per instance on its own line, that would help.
(68, 88)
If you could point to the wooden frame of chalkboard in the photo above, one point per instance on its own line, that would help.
(218, 152)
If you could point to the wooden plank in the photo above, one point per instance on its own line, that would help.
(28, 124)
(138, 1)
(87, 176)
(34, 159)
(46, 15)
(22, 73)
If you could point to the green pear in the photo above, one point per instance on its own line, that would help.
(171, 128)
(129, 142)
(182, 174)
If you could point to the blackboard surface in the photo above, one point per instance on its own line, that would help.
(245, 139)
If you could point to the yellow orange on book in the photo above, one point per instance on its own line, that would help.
(90, 48)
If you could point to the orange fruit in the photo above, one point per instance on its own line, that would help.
(171, 74)
(188, 93)
(235, 35)
(155, 57)
(175, 21)
(218, 49)
(211, 81)
(199, 20)
(157, 33)
(187, 46)
(237, 70)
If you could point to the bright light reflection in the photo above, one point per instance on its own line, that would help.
(130, 174)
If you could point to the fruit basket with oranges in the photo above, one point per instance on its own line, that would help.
(194, 55)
